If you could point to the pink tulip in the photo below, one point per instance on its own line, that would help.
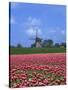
(37, 69)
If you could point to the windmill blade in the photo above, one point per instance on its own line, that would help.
(31, 38)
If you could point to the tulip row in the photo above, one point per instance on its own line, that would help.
(37, 70)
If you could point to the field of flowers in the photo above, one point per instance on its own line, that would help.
(33, 70)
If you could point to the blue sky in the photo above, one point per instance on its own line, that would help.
(26, 18)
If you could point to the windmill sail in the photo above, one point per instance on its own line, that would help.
(37, 40)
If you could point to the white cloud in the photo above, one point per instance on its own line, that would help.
(60, 30)
(63, 32)
(33, 22)
(57, 31)
(12, 20)
(52, 31)
(32, 31)
(32, 25)
(14, 5)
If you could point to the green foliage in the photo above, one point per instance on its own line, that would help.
(63, 44)
(19, 46)
(56, 45)
(47, 43)
(33, 45)
(36, 50)
(18, 80)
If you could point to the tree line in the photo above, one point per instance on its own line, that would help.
(45, 43)
(50, 43)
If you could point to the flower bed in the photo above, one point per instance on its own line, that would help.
(37, 70)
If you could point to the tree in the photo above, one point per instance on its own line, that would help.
(12, 46)
(56, 45)
(63, 44)
(19, 45)
(33, 45)
(50, 43)
(47, 43)
(44, 43)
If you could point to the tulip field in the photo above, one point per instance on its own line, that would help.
(32, 70)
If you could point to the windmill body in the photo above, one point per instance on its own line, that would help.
(37, 40)
(38, 43)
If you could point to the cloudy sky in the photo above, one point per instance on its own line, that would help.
(26, 18)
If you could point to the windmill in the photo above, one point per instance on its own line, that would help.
(37, 40)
